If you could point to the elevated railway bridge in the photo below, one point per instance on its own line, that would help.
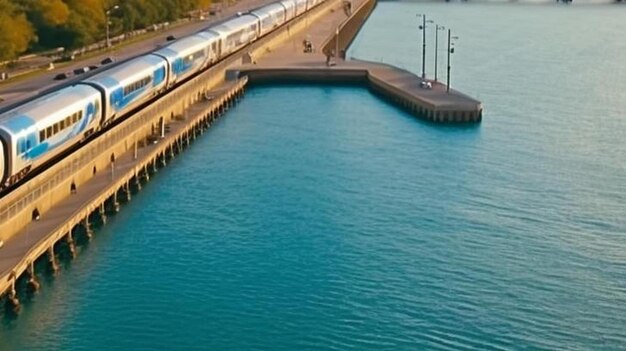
(48, 210)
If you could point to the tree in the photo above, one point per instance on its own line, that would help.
(86, 22)
(15, 31)
(203, 4)
(51, 12)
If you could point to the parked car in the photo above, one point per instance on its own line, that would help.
(170, 38)
(81, 70)
(426, 85)
(67, 57)
(62, 76)
(107, 60)
(92, 67)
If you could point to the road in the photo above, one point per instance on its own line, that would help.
(11, 93)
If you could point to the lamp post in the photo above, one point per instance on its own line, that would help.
(337, 44)
(423, 28)
(450, 51)
(108, 22)
(437, 29)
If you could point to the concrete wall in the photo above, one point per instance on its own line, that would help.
(349, 29)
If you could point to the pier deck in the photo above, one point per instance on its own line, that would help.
(289, 63)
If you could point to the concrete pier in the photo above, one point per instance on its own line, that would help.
(333, 34)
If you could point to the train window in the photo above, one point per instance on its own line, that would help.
(196, 55)
(137, 85)
(48, 132)
(61, 125)
(55, 128)
(42, 135)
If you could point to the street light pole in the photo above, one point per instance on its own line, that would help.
(337, 45)
(424, 47)
(450, 51)
(423, 28)
(437, 29)
(108, 22)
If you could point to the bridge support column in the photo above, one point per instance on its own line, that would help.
(137, 181)
(52, 260)
(87, 226)
(13, 303)
(102, 213)
(127, 191)
(116, 204)
(71, 246)
(32, 284)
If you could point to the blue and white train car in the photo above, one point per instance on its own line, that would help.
(236, 33)
(33, 133)
(301, 7)
(290, 9)
(129, 84)
(270, 17)
(189, 55)
(215, 44)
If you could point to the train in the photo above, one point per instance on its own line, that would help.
(39, 130)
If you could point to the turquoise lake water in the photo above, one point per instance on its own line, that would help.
(323, 218)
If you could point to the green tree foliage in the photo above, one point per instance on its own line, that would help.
(136, 14)
(50, 12)
(47, 24)
(16, 31)
(86, 22)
